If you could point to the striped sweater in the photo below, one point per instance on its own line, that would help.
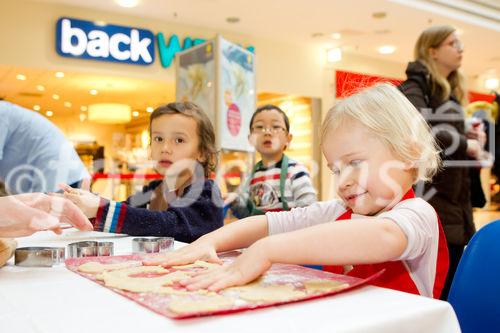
(264, 189)
(195, 212)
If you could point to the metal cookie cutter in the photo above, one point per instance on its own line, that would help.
(152, 244)
(39, 256)
(90, 249)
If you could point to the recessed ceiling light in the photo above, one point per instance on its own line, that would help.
(55, 96)
(21, 77)
(36, 107)
(127, 3)
(232, 19)
(334, 55)
(83, 108)
(49, 113)
(59, 75)
(149, 109)
(93, 92)
(386, 49)
(67, 104)
(336, 35)
(135, 113)
(491, 83)
(40, 87)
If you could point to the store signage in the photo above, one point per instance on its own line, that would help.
(85, 39)
(88, 40)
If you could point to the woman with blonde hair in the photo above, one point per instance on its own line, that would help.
(436, 88)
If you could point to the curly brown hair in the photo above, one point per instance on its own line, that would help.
(205, 130)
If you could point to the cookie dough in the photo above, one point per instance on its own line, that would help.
(122, 279)
(95, 267)
(322, 286)
(254, 292)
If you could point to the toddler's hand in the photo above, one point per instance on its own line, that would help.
(85, 200)
(198, 250)
(246, 268)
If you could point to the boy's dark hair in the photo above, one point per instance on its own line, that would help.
(269, 107)
(204, 126)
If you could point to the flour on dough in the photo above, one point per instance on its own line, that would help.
(96, 267)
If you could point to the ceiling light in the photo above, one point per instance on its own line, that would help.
(149, 109)
(386, 49)
(59, 75)
(40, 87)
(36, 107)
(491, 83)
(83, 108)
(49, 113)
(127, 3)
(67, 104)
(109, 113)
(334, 55)
(55, 96)
(135, 114)
(336, 35)
(82, 117)
(93, 92)
(21, 77)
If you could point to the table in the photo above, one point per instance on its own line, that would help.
(39, 299)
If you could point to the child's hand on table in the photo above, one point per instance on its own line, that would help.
(84, 199)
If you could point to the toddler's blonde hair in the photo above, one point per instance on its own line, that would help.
(391, 117)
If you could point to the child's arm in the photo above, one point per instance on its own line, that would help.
(232, 236)
(186, 219)
(245, 232)
(346, 242)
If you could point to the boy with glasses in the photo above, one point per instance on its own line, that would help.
(276, 183)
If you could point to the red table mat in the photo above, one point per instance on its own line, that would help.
(278, 274)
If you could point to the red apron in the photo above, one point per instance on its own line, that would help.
(396, 276)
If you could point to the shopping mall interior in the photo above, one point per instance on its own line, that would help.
(297, 68)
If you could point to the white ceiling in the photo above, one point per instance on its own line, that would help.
(296, 21)
(286, 20)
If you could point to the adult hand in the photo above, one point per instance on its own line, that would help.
(24, 214)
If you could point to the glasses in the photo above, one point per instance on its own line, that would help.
(262, 129)
(456, 44)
